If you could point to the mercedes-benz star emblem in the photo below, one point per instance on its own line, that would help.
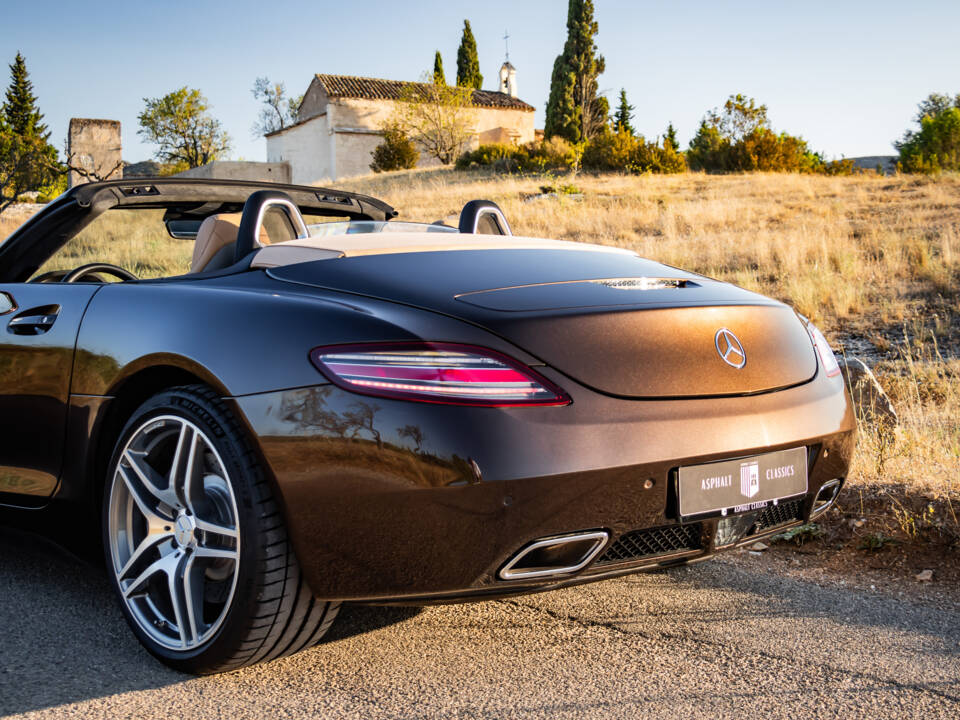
(729, 348)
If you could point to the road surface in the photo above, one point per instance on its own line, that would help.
(721, 639)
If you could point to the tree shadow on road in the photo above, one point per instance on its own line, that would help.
(63, 638)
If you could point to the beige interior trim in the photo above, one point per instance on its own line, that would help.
(387, 243)
(286, 254)
(215, 233)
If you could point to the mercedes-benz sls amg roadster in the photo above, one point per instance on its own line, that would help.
(315, 403)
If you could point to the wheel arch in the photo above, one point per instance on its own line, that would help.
(127, 394)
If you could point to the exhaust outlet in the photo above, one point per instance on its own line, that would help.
(826, 497)
(555, 555)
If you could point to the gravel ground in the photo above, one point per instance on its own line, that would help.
(721, 639)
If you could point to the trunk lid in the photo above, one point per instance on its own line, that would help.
(608, 319)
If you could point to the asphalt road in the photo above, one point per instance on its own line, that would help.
(719, 639)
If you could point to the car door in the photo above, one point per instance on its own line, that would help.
(39, 323)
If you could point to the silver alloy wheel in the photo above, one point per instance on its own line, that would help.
(174, 532)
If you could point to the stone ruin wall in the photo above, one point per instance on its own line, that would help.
(95, 147)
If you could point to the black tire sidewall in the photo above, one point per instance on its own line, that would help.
(242, 474)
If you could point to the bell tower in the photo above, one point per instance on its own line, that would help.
(508, 73)
(508, 79)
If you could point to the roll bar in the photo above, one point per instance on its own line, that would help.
(481, 216)
(254, 210)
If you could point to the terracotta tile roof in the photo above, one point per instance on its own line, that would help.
(377, 89)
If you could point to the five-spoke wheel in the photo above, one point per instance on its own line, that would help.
(196, 542)
(173, 532)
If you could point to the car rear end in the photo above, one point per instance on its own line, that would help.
(662, 417)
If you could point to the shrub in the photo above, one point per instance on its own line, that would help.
(485, 155)
(844, 166)
(653, 158)
(553, 154)
(624, 152)
(611, 151)
(396, 152)
(52, 190)
(738, 138)
(760, 149)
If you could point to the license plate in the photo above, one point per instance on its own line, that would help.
(736, 486)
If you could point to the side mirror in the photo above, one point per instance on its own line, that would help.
(254, 210)
(483, 217)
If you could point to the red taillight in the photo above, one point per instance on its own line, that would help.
(827, 358)
(436, 372)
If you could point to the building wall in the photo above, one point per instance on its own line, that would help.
(356, 124)
(277, 172)
(314, 101)
(518, 121)
(339, 142)
(306, 148)
(354, 150)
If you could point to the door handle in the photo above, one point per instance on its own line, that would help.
(35, 321)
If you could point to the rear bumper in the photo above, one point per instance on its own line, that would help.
(391, 501)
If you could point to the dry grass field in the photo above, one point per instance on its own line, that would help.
(874, 261)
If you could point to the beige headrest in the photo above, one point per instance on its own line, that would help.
(216, 233)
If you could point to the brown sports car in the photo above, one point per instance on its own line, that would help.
(327, 405)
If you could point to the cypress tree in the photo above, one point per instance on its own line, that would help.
(562, 118)
(621, 121)
(574, 111)
(670, 136)
(468, 64)
(438, 77)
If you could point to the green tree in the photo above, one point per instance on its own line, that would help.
(738, 117)
(934, 104)
(708, 149)
(180, 124)
(935, 146)
(738, 138)
(20, 104)
(624, 114)
(670, 137)
(438, 76)
(575, 110)
(468, 64)
(438, 118)
(27, 159)
(396, 152)
(277, 111)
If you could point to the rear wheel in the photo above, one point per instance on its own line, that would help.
(196, 544)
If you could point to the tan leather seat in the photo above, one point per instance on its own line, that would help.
(216, 238)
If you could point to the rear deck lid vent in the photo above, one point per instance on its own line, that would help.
(642, 283)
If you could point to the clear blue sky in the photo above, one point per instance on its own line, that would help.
(846, 75)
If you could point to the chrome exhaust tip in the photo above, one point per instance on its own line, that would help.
(826, 497)
(558, 555)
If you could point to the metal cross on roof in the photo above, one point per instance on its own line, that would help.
(506, 43)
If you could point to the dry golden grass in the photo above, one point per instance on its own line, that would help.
(133, 239)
